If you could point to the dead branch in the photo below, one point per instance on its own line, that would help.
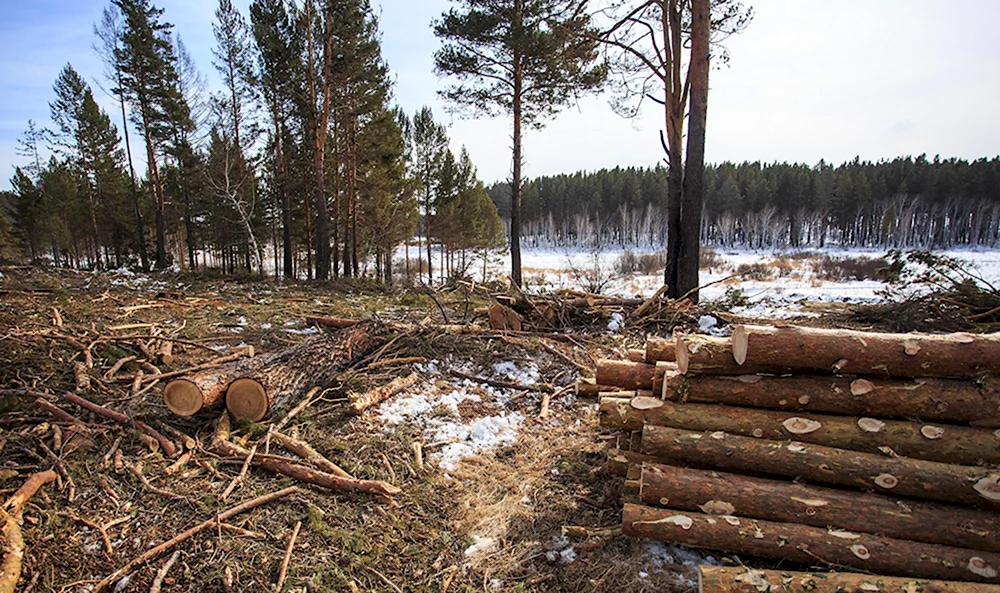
(12, 515)
(166, 444)
(180, 538)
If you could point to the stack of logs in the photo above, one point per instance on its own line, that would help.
(870, 451)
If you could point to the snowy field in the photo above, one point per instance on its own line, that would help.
(787, 293)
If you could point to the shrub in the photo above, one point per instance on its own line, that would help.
(708, 259)
(842, 269)
(643, 263)
(755, 271)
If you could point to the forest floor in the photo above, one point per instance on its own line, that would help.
(486, 512)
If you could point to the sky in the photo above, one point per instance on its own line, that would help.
(808, 80)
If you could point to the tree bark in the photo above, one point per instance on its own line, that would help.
(790, 502)
(961, 445)
(189, 395)
(938, 400)
(811, 545)
(740, 579)
(810, 350)
(900, 476)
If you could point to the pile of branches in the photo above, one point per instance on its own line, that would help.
(931, 292)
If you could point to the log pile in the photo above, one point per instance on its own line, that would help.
(868, 451)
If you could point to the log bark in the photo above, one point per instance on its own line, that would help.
(636, 355)
(359, 402)
(658, 349)
(12, 516)
(810, 350)
(714, 492)
(705, 355)
(287, 374)
(741, 579)
(938, 400)
(899, 476)
(625, 375)
(620, 461)
(811, 545)
(960, 445)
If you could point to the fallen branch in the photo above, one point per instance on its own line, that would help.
(222, 446)
(166, 444)
(162, 573)
(540, 387)
(12, 515)
(362, 401)
(306, 451)
(180, 538)
(288, 556)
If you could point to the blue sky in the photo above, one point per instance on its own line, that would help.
(809, 79)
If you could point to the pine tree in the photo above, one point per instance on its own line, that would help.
(277, 76)
(149, 77)
(428, 145)
(110, 33)
(525, 58)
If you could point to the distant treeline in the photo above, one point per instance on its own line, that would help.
(904, 203)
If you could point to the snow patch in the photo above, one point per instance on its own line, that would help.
(665, 558)
(481, 546)
(616, 323)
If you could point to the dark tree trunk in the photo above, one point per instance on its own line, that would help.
(694, 172)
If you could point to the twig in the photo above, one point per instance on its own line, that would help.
(162, 573)
(170, 544)
(385, 580)
(61, 469)
(288, 556)
(11, 514)
(242, 475)
(418, 454)
(136, 469)
(307, 401)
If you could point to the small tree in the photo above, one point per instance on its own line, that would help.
(525, 58)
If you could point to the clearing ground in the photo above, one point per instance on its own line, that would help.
(487, 510)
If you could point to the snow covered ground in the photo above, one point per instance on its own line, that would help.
(782, 295)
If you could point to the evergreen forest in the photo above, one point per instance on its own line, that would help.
(899, 204)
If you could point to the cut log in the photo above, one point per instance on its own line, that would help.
(961, 445)
(504, 318)
(811, 545)
(247, 399)
(280, 377)
(619, 461)
(741, 579)
(625, 375)
(190, 395)
(636, 355)
(939, 400)
(705, 355)
(900, 476)
(362, 401)
(811, 350)
(588, 387)
(790, 502)
(658, 349)
(615, 410)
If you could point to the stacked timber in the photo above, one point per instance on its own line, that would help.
(871, 451)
